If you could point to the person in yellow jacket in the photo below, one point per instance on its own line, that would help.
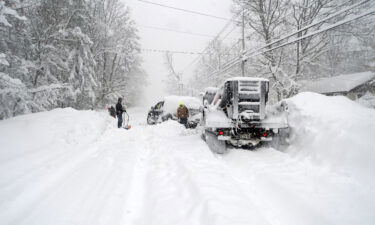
(183, 114)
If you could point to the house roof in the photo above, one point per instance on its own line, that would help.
(337, 84)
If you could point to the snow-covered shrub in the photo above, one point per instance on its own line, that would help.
(14, 97)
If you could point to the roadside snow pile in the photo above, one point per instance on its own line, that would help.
(38, 153)
(368, 100)
(333, 131)
(59, 128)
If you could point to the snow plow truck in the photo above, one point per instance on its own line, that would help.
(237, 115)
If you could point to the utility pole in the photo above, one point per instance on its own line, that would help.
(180, 84)
(243, 45)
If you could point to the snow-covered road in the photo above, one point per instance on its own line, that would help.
(75, 168)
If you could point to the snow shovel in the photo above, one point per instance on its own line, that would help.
(127, 126)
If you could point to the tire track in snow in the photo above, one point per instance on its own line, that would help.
(104, 174)
(182, 183)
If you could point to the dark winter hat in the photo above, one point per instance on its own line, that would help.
(119, 99)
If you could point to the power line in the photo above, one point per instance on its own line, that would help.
(310, 25)
(231, 31)
(176, 31)
(342, 22)
(234, 62)
(175, 52)
(334, 9)
(213, 40)
(170, 51)
(184, 10)
(195, 60)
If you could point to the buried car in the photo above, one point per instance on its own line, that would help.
(167, 109)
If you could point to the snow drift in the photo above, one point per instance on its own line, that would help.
(38, 152)
(334, 132)
(57, 128)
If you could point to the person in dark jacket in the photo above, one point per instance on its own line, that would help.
(183, 114)
(119, 111)
(112, 111)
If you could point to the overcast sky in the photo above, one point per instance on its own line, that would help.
(151, 15)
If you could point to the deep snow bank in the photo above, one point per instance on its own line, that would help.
(60, 127)
(333, 131)
(39, 152)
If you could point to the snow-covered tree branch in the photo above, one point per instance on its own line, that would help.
(81, 54)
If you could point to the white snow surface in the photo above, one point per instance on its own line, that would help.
(334, 131)
(71, 167)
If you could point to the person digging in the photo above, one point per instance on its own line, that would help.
(183, 114)
(119, 112)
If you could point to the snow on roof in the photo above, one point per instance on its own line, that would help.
(342, 83)
(246, 78)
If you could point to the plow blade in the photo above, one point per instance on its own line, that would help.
(214, 144)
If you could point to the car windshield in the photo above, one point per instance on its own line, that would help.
(209, 97)
(159, 105)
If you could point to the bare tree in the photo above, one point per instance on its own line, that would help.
(209, 68)
(267, 19)
(308, 50)
(174, 79)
